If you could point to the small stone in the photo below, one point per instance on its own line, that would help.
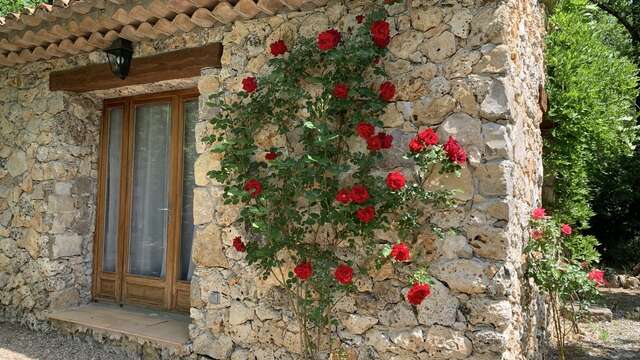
(405, 45)
(445, 343)
(239, 313)
(358, 324)
(461, 64)
(494, 178)
(426, 18)
(202, 206)
(494, 62)
(497, 143)
(462, 186)
(483, 311)
(461, 23)
(411, 340)
(429, 111)
(398, 316)
(207, 247)
(488, 341)
(440, 47)
(16, 163)
(217, 347)
(392, 117)
(439, 308)
(464, 128)
(379, 341)
(463, 275)
(29, 242)
(204, 163)
(66, 245)
(597, 313)
(496, 104)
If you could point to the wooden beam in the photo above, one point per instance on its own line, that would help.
(185, 63)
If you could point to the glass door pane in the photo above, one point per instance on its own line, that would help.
(188, 182)
(112, 188)
(150, 192)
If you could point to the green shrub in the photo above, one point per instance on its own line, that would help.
(591, 87)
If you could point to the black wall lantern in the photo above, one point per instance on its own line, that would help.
(119, 55)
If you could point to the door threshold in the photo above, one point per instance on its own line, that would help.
(159, 329)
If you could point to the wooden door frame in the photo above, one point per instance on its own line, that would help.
(173, 289)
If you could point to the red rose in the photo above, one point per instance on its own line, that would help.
(400, 252)
(238, 244)
(395, 180)
(365, 130)
(343, 274)
(380, 33)
(271, 155)
(366, 214)
(385, 140)
(597, 276)
(537, 234)
(249, 84)
(328, 40)
(278, 48)
(415, 145)
(359, 194)
(455, 152)
(304, 270)
(344, 196)
(417, 293)
(360, 19)
(253, 187)
(538, 213)
(374, 143)
(428, 137)
(387, 91)
(341, 91)
(566, 229)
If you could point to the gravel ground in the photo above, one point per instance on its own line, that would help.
(19, 343)
(618, 339)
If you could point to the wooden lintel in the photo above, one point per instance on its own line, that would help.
(180, 64)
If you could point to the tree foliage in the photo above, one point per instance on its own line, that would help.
(9, 6)
(592, 88)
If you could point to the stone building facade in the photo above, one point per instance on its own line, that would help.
(468, 68)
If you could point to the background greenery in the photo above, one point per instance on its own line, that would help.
(592, 83)
(7, 6)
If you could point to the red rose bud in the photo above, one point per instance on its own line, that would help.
(238, 244)
(344, 274)
(340, 91)
(566, 229)
(387, 91)
(359, 19)
(418, 293)
(428, 137)
(395, 180)
(253, 187)
(328, 40)
(359, 194)
(278, 48)
(366, 214)
(415, 145)
(374, 143)
(455, 152)
(380, 33)
(400, 252)
(385, 140)
(303, 271)
(344, 196)
(537, 234)
(249, 84)
(365, 130)
(538, 214)
(271, 155)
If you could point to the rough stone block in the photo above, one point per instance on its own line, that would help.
(207, 247)
(65, 245)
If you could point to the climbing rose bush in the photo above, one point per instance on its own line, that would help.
(303, 150)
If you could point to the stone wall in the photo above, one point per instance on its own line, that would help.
(48, 156)
(469, 69)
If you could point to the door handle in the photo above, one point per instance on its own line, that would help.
(163, 209)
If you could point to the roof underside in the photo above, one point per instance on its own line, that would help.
(69, 27)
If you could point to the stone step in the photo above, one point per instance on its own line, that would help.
(144, 333)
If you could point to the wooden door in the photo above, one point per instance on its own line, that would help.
(145, 226)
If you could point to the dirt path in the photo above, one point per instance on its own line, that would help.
(19, 343)
(618, 339)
